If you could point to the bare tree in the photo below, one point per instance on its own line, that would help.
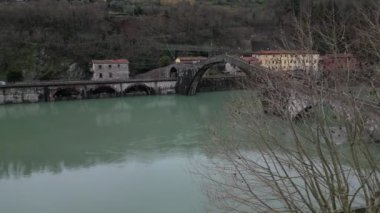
(321, 159)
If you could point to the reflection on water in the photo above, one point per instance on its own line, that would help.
(49, 137)
(115, 155)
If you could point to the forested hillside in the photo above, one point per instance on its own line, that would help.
(47, 39)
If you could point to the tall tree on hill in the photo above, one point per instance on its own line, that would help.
(296, 6)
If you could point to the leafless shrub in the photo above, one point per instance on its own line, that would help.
(324, 163)
(320, 159)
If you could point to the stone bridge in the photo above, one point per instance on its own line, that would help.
(278, 94)
(175, 78)
(31, 92)
(291, 97)
(189, 75)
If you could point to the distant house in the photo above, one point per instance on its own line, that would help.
(283, 60)
(115, 69)
(339, 62)
(190, 59)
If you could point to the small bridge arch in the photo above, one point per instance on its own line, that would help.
(66, 93)
(104, 89)
(136, 89)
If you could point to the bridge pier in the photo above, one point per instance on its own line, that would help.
(2, 97)
(156, 89)
(184, 82)
(84, 92)
(121, 89)
(46, 94)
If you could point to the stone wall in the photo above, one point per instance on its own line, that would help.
(21, 95)
(33, 94)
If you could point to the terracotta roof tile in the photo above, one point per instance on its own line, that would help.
(111, 61)
(276, 52)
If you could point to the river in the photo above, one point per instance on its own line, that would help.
(114, 155)
(134, 154)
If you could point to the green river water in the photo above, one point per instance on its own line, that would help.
(112, 156)
(122, 155)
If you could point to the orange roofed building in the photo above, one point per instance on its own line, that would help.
(288, 60)
(339, 62)
(114, 69)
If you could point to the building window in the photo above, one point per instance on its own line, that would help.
(100, 66)
(100, 75)
(110, 66)
(118, 65)
(110, 74)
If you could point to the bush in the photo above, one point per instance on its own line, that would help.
(164, 61)
(13, 76)
(138, 11)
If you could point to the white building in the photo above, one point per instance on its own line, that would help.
(288, 60)
(115, 69)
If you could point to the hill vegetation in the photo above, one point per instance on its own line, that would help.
(57, 39)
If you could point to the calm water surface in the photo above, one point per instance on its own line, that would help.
(115, 155)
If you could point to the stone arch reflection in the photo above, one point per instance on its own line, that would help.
(75, 135)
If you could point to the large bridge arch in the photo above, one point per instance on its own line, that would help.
(201, 68)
